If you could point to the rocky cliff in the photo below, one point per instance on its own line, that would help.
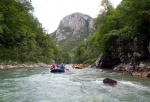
(73, 29)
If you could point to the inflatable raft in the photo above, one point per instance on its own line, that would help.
(57, 70)
(78, 67)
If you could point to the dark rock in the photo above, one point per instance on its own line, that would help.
(148, 75)
(110, 82)
(108, 63)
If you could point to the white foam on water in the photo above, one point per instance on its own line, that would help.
(77, 83)
(131, 84)
(98, 81)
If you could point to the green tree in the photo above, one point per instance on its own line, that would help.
(22, 37)
(120, 32)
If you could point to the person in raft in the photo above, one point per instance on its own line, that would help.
(52, 67)
(57, 65)
(62, 66)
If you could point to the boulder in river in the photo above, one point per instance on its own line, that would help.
(110, 82)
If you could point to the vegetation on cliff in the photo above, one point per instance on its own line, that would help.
(72, 30)
(123, 35)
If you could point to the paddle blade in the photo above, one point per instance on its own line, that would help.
(67, 69)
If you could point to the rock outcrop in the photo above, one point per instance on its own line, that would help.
(134, 70)
(73, 29)
(104, 62)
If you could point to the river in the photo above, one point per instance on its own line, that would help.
(75, 85)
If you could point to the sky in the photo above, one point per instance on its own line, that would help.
(51, 12)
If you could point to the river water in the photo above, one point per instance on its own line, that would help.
(76, 85)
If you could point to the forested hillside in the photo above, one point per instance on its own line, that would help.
(22, 37)
(123, 35)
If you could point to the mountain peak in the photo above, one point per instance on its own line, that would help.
(74, 26)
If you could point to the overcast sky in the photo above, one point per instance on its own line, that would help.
(50, 12)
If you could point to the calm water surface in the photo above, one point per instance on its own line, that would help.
(76, 85)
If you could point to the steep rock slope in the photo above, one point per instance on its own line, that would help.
(73, 29)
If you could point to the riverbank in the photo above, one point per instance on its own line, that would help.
(3, 67)
(141, 70)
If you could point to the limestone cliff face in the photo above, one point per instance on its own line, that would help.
(73, 29)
